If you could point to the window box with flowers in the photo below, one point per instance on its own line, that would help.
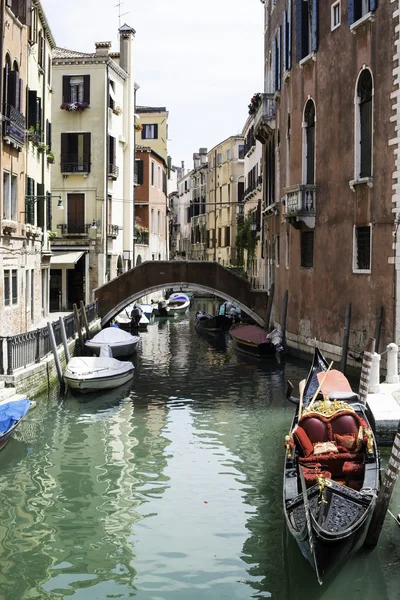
(50, 158)
(117, 111)
(42, 148)
(34, 134)
(138, 127)
(74, 106)
(254, 103)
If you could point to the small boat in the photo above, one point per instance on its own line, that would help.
(207, 323)
(124, 320)
(331, 472)
(160, 309)
(147, 310)
(91, 373)
(11, 415)
(121, 342)
(178, 304)
(254, 340)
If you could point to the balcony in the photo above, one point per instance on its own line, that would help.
(112, 231)
(73, 229)
(113, 172)
(253, 188)
(264, 117)
(300, 205)
(13, 126)
(75, 163)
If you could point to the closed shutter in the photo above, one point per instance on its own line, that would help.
(32, 108)
(300, 9)
(274, 64)
(155, 132)
(66, 89)
(373, 5)
(351, 11)
(24, 11)
(366, 138)
(139, 171)
(315, 26)
(86, 152)
(48, 134)
(86, 88)
(30, 201)
(6, 78)
(40, 203)
(64, 152)
(49, 210)
(13, 86)
(20, 95)
(284, 42)
(289, 36)
(75, 213)
(279, 51)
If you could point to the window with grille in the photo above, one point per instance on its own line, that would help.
(362, 248)
(364, 92)
(307, 249)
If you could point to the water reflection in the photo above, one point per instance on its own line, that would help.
(167, 488)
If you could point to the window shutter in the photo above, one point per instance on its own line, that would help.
(86, 151)
(155, 132)
(40, 204)
(284, 44)
(29, 201)
(66, 89)
(139, 171)
(279, 48)
(86, 88)
(39, 114)
(299, 29)
(64, 150)
(289, 36)
(315, 26)
(48, 134)
(20, 95)
(49, 210)
(12, 88)
(32, 108)
(6, 79)
(274, 64)
(351, 11)
(373, 5)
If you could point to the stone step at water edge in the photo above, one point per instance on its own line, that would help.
(7, 393)
(2, 384)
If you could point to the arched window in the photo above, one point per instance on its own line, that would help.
(309, 143)
(364, 125)
(139, 260)
(120, 268)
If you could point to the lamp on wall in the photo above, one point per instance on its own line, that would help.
(95, 224)
(34, 199)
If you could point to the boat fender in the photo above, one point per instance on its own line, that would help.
(32, 404)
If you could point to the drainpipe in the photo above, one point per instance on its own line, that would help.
(105, 218)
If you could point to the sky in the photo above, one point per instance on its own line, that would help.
(203, 60)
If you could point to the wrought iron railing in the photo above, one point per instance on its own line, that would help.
(74, 228)
(113, 231)
(75, 163)
(113, 171)
(31, 347)
(14, 124)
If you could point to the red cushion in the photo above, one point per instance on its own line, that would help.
(310, 475)
(333, 462)
(344, 424)
(348, 441)
(303, 441)
(353, 470)
(316, 429)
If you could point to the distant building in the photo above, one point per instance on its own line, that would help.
(182, 213)
(198, 222)
(154, 129)
(93, 140)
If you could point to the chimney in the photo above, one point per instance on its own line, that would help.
(126, 56)
(196, 160)
(102, 48)
(183, 167)
(203, 155)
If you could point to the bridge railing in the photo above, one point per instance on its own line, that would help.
(24, 349)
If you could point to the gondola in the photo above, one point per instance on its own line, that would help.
(253, 340)
(331, 472)
(213, 324)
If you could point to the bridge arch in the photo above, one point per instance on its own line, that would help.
(152, 276)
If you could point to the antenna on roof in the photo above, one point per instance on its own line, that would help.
(119, 11)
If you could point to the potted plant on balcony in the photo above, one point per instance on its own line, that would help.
(50, 157)
(42, 148)
(74, 106)
(254, 103)
(117, 110)
(138, 127)
(33, 134)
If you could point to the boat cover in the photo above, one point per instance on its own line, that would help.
(250, 333)
(10, 412)
(335, 381)
(178, 298)
(113, 335)
(93, 366)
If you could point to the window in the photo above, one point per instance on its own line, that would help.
(241, 151)
(158, 222)
(363, 126)
(362, 248)
(41, 51)
(76, 88)
(307, 249)
(359, 8)
(152, 175)
(306, 28)
(287, 250)
(159, 177)
(277, 59)
(139, 171)
(229, 193)
(76, 213)
(227, 236)
(150, 132)
(287, 38)
(152, 221)
(309, 138)
(277, 250)
(228, 154)
(9, 196)
(335, 15)
(219, 158)
(10, 287)
(49, 70)
(75, 152)
(220, 195)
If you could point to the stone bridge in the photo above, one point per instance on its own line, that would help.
(152, 276)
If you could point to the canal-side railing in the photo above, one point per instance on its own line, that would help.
(31, 347)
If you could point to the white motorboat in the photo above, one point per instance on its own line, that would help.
(91, 373)
(121, 342)
(178, 304)
(124, 320)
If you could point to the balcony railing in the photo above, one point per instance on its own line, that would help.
(74, 229)
(142, 238)
(253, 187)
(75, 163)
(13, 125)
(113, 231)
(264, 117)
(113, 171)
(300, 204)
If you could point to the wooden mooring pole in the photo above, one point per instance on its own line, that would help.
(85, 321)
(55, 353)
(346, 336)
(284, 316)
(385, 494)
(366, 370)
(78, 327)
(269, 307)
(64, 339)
(378, 327)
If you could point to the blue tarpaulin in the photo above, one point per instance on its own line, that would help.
(10, 412)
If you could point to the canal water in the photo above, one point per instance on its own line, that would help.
(169, 488)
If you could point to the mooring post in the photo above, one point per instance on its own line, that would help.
(284, 316)
(346, 336)
(55, 354)
(392, 373)
(85, 321)
(378, 327)
(366, 370)
(64, 339)
(269, 307)
(78, 327)
(374, 382)
(385, 494)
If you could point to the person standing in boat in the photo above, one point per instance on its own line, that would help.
(136, 315)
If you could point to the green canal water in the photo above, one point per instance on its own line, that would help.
(167, 489)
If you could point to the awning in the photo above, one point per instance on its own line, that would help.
(65, 260)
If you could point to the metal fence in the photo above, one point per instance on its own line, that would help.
(31, 347)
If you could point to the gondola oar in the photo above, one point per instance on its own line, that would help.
(320, 385)
(302, 386)
(308, 522)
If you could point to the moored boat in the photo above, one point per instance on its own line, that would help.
(177, 304)
(254, 340)
(214, 324)
(124, 320)
(91, 373)
(11, 415)
(121, 342)
(331, 473)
